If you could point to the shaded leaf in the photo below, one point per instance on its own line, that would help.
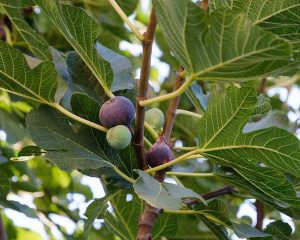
(162, 195)
(13, 127)
(273, 119)
(29, 212)
(70, 150)
(4, 184)
(246, 231)
(81, 31)
(97, 209)
(14, 10)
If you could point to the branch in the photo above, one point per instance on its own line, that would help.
(172, 109)
(132, 27)
(260, 215)
(263, 85)
(150, 214)
(2, 231)
(204, 4)
(138, 136)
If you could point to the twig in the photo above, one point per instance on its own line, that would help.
(138, 136)
(184, 174)
(2, 231)
(204, 4)
(132, 27)
(223, 191)
(263, 85)
(172, 109)
(260, 215)
(150, 214)
(188, 113)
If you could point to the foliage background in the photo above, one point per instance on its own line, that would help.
(54, 201)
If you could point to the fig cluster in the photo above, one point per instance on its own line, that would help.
(155, 118)
(117, 114)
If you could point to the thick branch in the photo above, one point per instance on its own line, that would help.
(150, 214)
(2, 231)
(138, 137)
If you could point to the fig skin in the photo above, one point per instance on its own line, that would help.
(155, 118)
(159, 154)
(118, 137)
(117, 111)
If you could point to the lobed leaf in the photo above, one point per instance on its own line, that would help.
(278, 16)
(222, 45)
(14, 10)
(39, 81)
(81, 31)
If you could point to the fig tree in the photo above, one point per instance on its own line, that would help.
(159, 154)
(155, 118)
(118, 137)
(117, 111)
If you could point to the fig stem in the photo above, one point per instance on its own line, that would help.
(122, 15)
(173, 162)
(123, 175)
(77, 118)
(147, 142)
(185, 148)
(168, 96)
(151, 130)
(184, 174)
(188, 113)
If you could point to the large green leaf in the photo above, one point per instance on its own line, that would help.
(35, 80)
(65, 147)
(14, 10)
(222, 45)
(81, 31)
(221, 135)
(162, 195)
(222, 141)
(71, 146)
(86, 107)
(279, 16)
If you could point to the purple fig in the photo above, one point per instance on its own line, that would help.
(117, 111)
(159, 154)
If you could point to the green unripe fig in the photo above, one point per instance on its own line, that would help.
(155, 118)
(118, 137)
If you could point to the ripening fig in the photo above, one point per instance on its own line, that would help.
(159, 154)
(118, 137)
(155, 118)
(117, 111)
